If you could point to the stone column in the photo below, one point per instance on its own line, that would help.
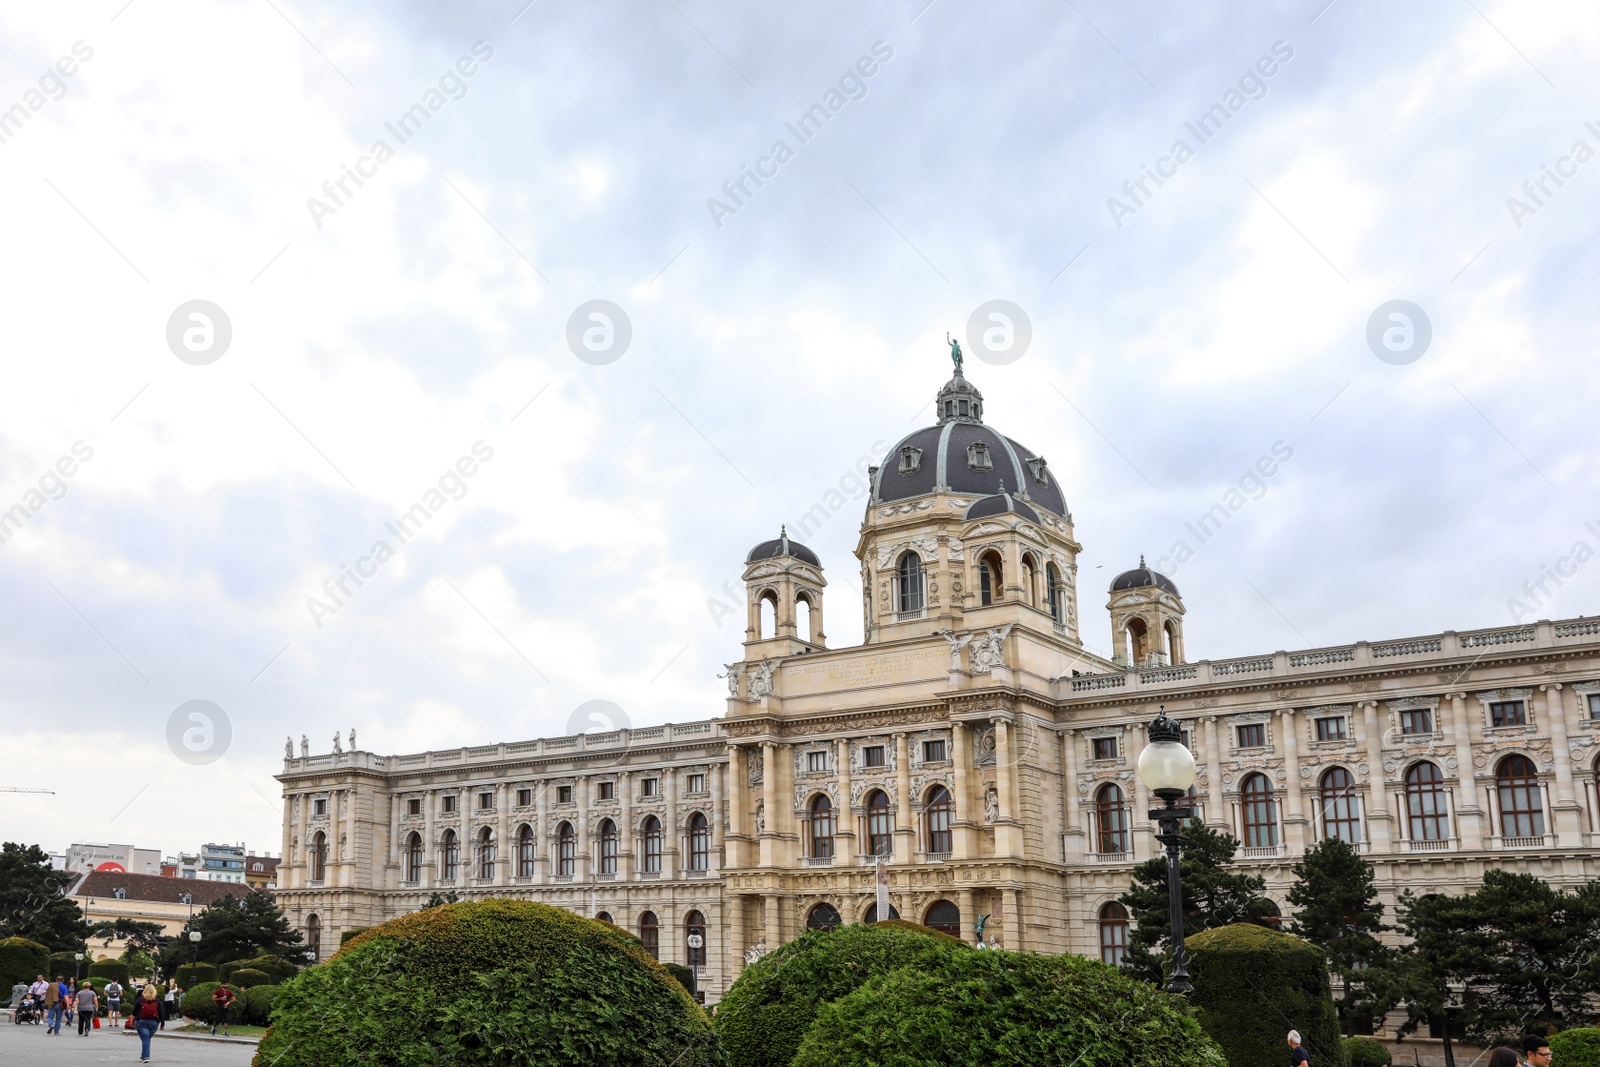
(844, 822)
(1072, 813)
(505, 851)
(1378, 817)
(396, 861)
(737, 843)
(669, 823)
(718, 818)
(430, 845)
(969, 917)
(772, 932)
(733, 909)
(625, 827)
(769, 803)
(1215, 809)
(1007, 833)
(1566, 811)
(1011, 919)
(1468, 811)
(964, 835)
(1142, 835)
(1295, 830)
(905, 830)
(580, 793)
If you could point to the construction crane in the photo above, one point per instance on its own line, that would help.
(25, 789)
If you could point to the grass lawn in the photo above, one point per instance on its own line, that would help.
(236, 1030)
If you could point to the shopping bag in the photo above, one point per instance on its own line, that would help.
(97, 1022)
(127, 1024)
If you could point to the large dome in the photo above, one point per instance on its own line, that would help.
(963, 455)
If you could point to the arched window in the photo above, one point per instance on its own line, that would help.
(414, 857)
(1264, 912)
(650, 934)
(1029, 569)
(525, 851)
(880, 824)
(990, 577)
(1172, 643)
(1341, 817)
(605, 917)
(1521, 807)
(1138, 641)
(318, 856)
(941, 810)
(823, 917)
(314, 936)
(449, 855)
(1260, 815)
(1111, 819)
(652, 844)
(608, 847)
(821, 827)
(871, 915)
(566, 850)
(944, 917)
(1113, 933)
(695, 923)
(804, 620)
(699, 843)
(909, 581)
(485, 853)
(768, 621)
(1055, 593)
(1425, 803)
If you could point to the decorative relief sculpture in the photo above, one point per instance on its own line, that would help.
(988, 649)
(761, 817)
(991, 805)
(735, 671)
(955, 549)
(983, 745)
(761, 678)
(956, 642)
(755, 952)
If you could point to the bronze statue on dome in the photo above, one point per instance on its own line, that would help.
(955, 350)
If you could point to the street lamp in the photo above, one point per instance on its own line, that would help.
(696, 943)
(194, 957)
(78, 962)
(1167, 769)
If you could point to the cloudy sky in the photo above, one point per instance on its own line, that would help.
(188, 485)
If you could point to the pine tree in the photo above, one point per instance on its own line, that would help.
(1338, 911)
(34, 902)
(236, 928)
(1212, 896)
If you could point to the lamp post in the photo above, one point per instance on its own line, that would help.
(77, 958)
(1167, 769)
(696, 943)
(194, 957)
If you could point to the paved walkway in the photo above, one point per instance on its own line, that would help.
(29, 1045)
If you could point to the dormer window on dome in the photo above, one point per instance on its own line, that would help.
(1037, 467)
(978, 457)
(910, 459)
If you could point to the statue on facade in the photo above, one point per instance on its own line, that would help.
(991, 805)
(352, 739)
(761, 678)
(988, 650)
(735, 673)
(755, 952)
(983, 920)
(305, 746)
(957, 642)
(337, 748)
(955, 350)
(288, 748)
(761, 817)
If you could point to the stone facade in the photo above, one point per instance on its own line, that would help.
(975, 742)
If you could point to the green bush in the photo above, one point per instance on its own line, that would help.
(109, 969)
(1252, 985)
(684, 975)
(1366, 1052)
(1006, 1009)
(245, 977)
(1576, 1048)
(354, 931)
(275, 968)
(767, 1010)
(66, 964)
(487, 982)
(197, 1004)
(22, 961)
(190, 975)
(258, 1004)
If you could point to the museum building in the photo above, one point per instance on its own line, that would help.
(973, 742)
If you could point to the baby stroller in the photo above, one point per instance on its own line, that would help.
(27, 1011)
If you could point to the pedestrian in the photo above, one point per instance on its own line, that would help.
(53, 996)
(1535, 1051)
(113, 1002)
(148, 1015)
(1297, 1055)
(1504, 1056)
(88, 1005)
(222, 1001)
(173, 1002)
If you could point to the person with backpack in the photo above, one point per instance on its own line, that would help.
(222, 1001)
(52, 1005)
(88, 1006)
(114, 1001)
(148, 1015)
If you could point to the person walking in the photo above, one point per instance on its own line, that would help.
(53, 995)
(113, 1002)
(1504, 1056)
(88, 1006)
(1297, 1055)
(222, 1001)
(1535, 1051)
(148, 1015)
(174, 1001)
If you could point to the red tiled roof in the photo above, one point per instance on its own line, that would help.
(153, 887)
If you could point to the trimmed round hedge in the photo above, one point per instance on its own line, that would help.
(1006, 1009)
(275, 968)
(1253, 985)
(501, 982)
(258, 1004)
(189, 975)
(1367, 1052)
(22, 961)
(197, 1004)
(245, 977)
(767, 1010)
(109, 969)
(1576, 1048)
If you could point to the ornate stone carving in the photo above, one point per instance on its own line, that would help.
(955, 550)
(956, 642)
(1365, 685)
(757, 765)
(991, 805)
(735, 671)
(761, 678)
(988, 649)
(983, 746)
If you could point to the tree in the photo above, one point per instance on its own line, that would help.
(1338, 911)
(1212, 897)
(234, 929)
(34, 902)
(141, 936)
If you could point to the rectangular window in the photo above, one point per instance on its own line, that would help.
(1253, 736)
(485, 801)
(524, 798)
(608, 790)
(933, 751)
(816, 762)
(449, 804)
(1508, 713)
(414, 806)
(563, 794)
(319, 807)
(1188, 742)
(1331, 729)
(697, 783)
(872, 755)
(1594, 705)
(1418, 721)
(1105, 748)
(648, 787)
